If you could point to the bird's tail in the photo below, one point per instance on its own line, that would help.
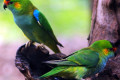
(60, 44)
(53, 46)
(52, 72)
(56, 49)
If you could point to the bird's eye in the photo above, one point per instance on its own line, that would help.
(11, 2)
(111, 49)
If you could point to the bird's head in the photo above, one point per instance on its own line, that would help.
(18, 6)
(105, 47)
(11, 4)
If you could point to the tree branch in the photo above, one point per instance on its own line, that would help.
(29, 61)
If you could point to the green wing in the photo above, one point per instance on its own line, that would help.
(85, 57)
(44, 24)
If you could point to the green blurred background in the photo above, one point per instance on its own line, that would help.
(69, 19)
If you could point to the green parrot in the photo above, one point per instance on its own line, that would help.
(83, 63)
(33, 23)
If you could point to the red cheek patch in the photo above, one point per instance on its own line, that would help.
(114, 49)
(6, 2)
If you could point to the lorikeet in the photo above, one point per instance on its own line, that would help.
(83, 63)
(33, 23)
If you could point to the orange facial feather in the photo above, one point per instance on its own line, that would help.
(105, 51)
(17, 5)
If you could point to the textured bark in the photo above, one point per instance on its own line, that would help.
(104, 21)
(105, 25)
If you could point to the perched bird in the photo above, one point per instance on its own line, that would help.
(83, 63)
(33, 23)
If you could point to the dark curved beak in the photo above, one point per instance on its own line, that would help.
(5, 6)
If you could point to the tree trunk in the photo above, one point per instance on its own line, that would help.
(105, 21)
(105, 26)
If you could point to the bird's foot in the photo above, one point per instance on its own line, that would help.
(28, 44)
(41, 45)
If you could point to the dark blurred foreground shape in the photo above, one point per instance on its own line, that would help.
(29, 61)
(104, 25)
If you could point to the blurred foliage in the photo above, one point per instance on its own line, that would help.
(67, 18)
